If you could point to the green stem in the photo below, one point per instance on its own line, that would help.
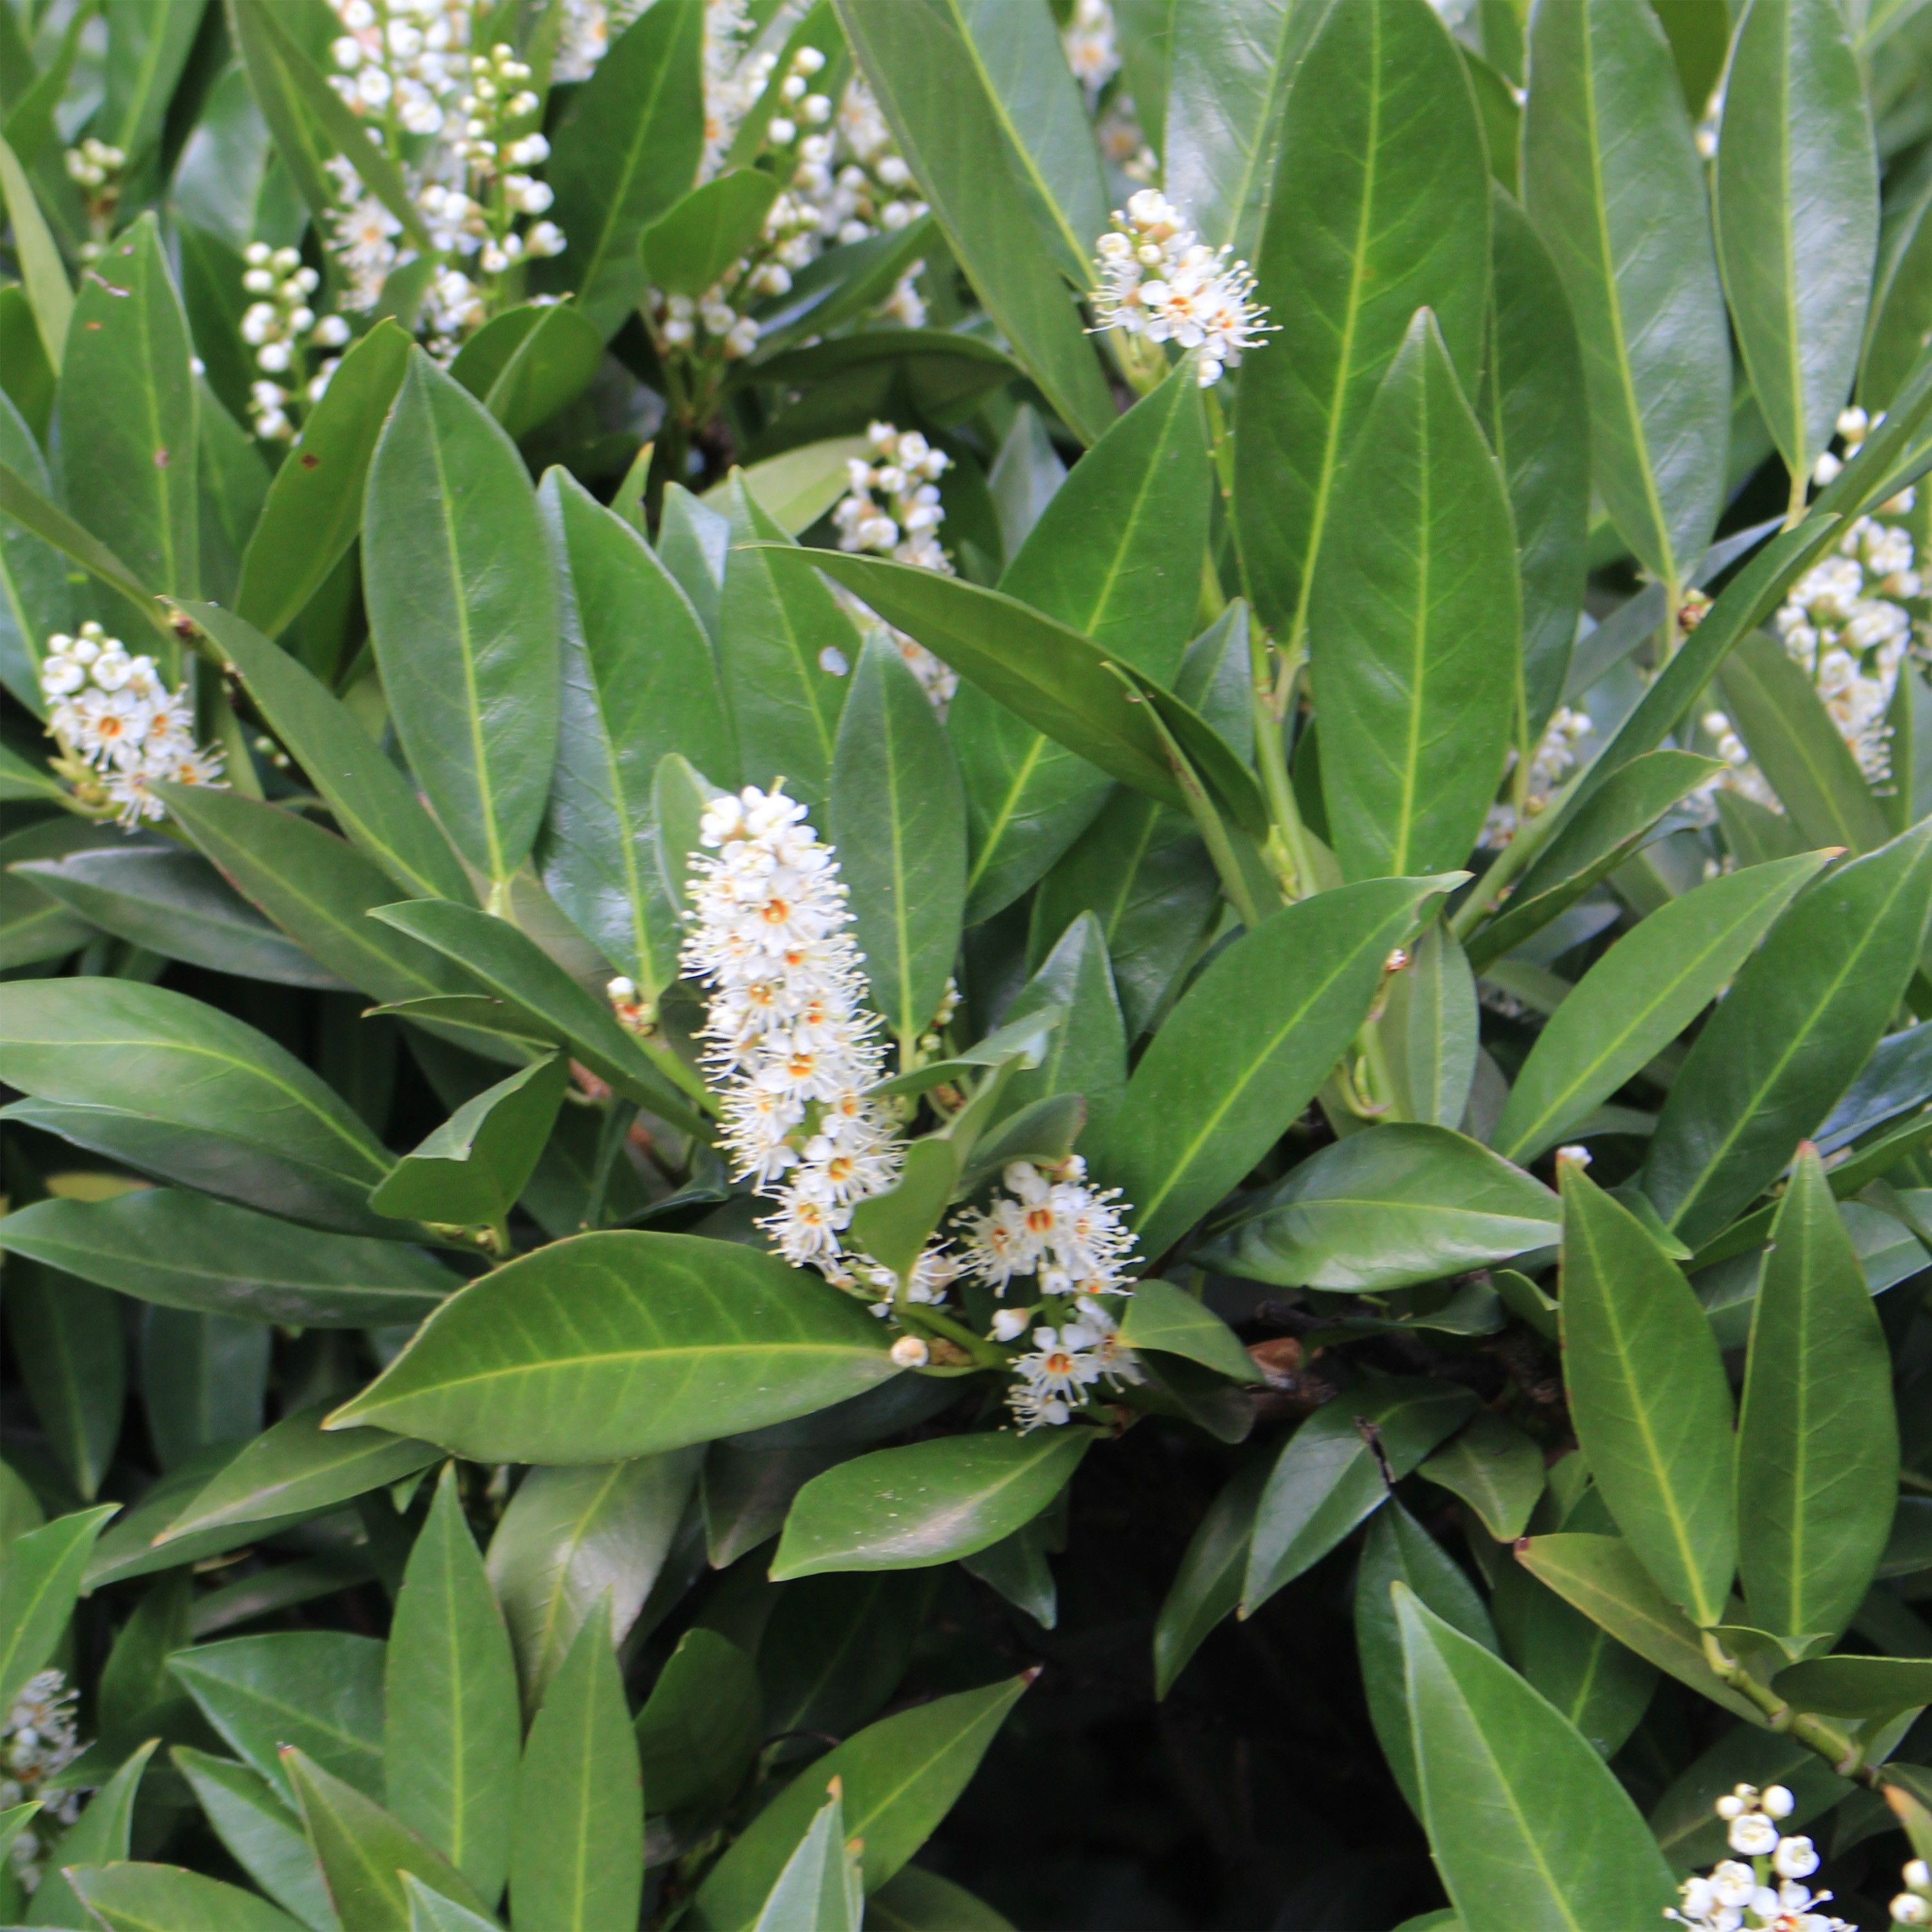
(1795, 505)
(923, 1316)
(1269, 697)
(1835, 1746)
(1530, 839)
(1214, 830)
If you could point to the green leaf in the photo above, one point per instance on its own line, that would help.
(898, 819)
(203, 1379)
(922, 1901)
(900, 1777)
(576, 1863)
(1795, 741)
(1334, 1471)
(1616, 191)
(628, 150)
(301, 144)
(321, 1690)
(1381, 207)
(820, 1889)
(699, 1730)
(1243, 1052)
(1857, 1686)
(552, 361)
(1528, 1826)
(1494, 1467)
(69, 1340)
(165, 1898)
(1086, 1054)
(1901, 302)
(1414, 624)
(785, 648)
(176, 903)
(1170, 1320)
(265, 1838)
(364, 1852)
(101, 1834)
(1817, 1453)
(1534, 410)
(35, 600)
(33, 925)
(42, 271)
(614, 1345)
(694, 242)
(1803, 1017)
(1116, 555)
(1648, 1398)
(1398, 1550)
(1386, 1209)
(639, 683)
(945, 123)
(317, 888)
(39, 1582)
(463, 615)
(314, 505)
(430, 1911)
(115, 1043)
(1430, 1029)
(1206, 1587)
(125, 414)
(451, 1728)
(571, 1538)
(1796, 183)
(1640, 996)
(928, 1503)
(471, 1170)
(373, 802)
(295, 1469)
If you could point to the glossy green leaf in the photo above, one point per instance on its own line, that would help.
(918, 1900)
(1534, 411)
(263, 1836)
(373, 802)
(820, 1888)
(1616, 191)
(1243, 1052)
(35, 600)
(1817, 1440)
(363, 1852)
(1334, 1471)
(1796, 203)
(695, 242)
(550, 353)
(949, 128)
(1116, 556)
(430, 1911)
(1430, 1029)
(1901, 301)
(42, 271)
(102, 1833)
(125, 416)
(322, 1690)
(466, 643)
(1415, 624)
(928, 1503)
(295, 1467)
(33, 925)
(203, 1380)
(621, 1344)
(1170, 1320)
(897, 818)
(1494, 1467)
(68, 1338)
(1527, 1825)
(315, 504)
(176, 903)
(1086, 1054)
(1640, 996)
(639, 683)
(1382, 208)
(39, 1582)
(572, 1537)
(900, 1777)
(1398, 1549)
(699, 1730)
(1804, 1014)
(166, 1898)
(1399, 1204)
(785, 648)
(1858, 1686)
(1206, 1585)
(628, 151)
(189, 1251)
(115, 1043)
(471, 1170)
(1648, 1398)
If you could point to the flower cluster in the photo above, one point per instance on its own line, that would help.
(585, 32)
(119, 727)
(38, 1740)
(891, 508)
(1555, 757)
(398, 62)
(795, 1055)
(1159, 281)
(1767, 1892)
(281, 326)
(1913, 1906)
(97, 168)
(1092, 48)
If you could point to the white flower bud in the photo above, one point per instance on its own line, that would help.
(909, 1352)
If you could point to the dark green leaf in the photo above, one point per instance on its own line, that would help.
(1430, 1029)
(1206, 1587)
(38, 1585)
(68, 1338)
(471, 1170)
(1495, 1468)
(165, 1898)
(1170, 1320)
(35, 600)
(699, 1731)
(264, 1837)
(1858, 1686)
(691, 244)
(102, 1834)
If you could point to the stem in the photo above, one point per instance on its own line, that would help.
(1794, 506)
(924, 1316)
(1270, 695)
(1212, 829)
(1836, 1746)
(1529, 840)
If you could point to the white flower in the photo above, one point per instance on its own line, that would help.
(1733, 1897)
(38, 1740)
(1093, 51)
(909, 1352)
(1908, 1909)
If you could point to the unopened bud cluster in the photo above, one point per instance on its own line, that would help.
(1761, 1889)
(280, 326)
(1557, 754)
(37, 1741)
(891, 508)
(121, 731)
(1158, 280)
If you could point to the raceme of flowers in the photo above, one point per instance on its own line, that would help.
(1762, 1887)
(38, 1740)
(1158, 280)
(794, 1054)
(120, 729)
(891, 508)
(282, 328)
(1555, 757)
